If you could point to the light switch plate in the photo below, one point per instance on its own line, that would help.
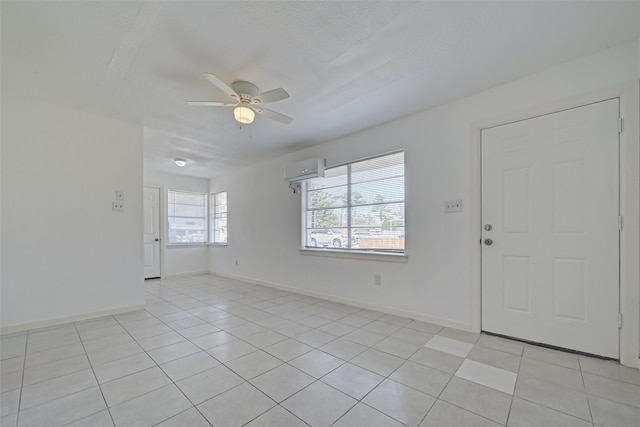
(120, 195)
(453, 206)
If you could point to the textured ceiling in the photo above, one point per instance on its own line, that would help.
(347, 65)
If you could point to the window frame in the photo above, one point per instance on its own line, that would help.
(205, 218)
(212, 218)
(355, 253)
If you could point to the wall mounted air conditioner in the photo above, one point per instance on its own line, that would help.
(304, 169)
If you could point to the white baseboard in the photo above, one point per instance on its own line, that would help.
(185, 274)
(62, 320)
(442, 321)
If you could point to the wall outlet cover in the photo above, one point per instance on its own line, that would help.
(453, 206)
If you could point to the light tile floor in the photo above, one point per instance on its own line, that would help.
(210, 351)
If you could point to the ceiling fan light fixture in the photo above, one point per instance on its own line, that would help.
(244, 114)
(249, 101)
(180, 162)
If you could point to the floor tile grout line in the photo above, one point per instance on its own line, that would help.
(273, 400)
(471, 412)
(543, 348)
(242, 339)
(613, 401)
(90, 415)
(498, 350)
(63, 375)
(609, 378)
(292, 414)
(24, 363)
(584, 385)
(247, 381)
(244, 381)
(315, 379)
(388, 415)
(368, 348)
(60, 397)
(513, 395)
(586, 395)
(48, 401)
(57, 347)
(250, 321)
(211, 305)
(71, 394)
(439, 397)
(170, 379)
(361, 400)
(96, 378)
(554, 409)
(289, 319)
(180, 413)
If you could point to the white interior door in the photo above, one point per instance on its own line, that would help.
(550, 196)
(151, 232)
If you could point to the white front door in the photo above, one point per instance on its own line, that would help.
(151, 232)
(550, 239)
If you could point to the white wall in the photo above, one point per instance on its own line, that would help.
(177, 260)
(65, 253)
(440, 281)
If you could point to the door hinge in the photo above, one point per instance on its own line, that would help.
(619, 320)
(619, 222)
(620, 125)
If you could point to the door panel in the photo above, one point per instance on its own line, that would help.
(151, 212)
(550, 190)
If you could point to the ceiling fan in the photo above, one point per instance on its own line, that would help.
(248, 100)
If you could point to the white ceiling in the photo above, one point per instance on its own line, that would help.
(347, 65)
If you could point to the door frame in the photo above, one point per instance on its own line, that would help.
(162, 223)
(595, 329)
(629, 171)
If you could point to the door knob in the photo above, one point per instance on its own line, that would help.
(157, 240)
(488, 242)
(488, 227)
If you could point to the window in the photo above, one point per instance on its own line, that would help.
(358, 206)
(187, 217)
(218, 211)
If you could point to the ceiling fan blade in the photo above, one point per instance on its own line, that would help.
(279, 117)
(209, 104)
(220, 85)
(272, 96)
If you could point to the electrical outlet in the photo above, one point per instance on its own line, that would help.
(377, 280)
(117, 206)
(120, 195)
(453, 206)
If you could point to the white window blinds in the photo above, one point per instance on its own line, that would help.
(358, 206)
(187, 217)
(219, 231)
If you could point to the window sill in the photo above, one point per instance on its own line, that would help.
(363, 255)
(224, 245)
(184, 245)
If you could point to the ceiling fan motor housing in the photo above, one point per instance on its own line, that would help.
(247, 97)
(245, 90)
